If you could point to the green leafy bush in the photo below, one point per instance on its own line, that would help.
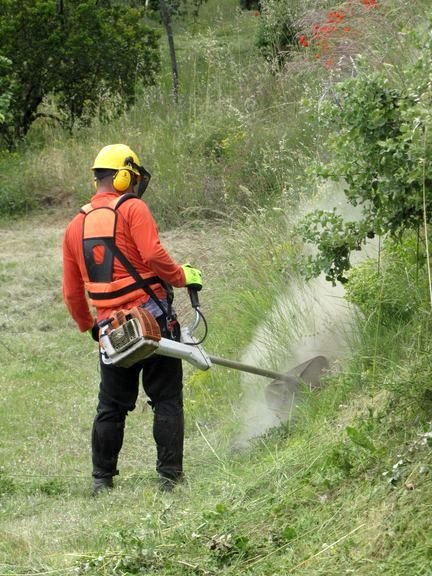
(379, 135)
(277, 31)
(5, 89)
(392, 290)
(281, 24)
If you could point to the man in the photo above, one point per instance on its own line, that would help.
(121, 275)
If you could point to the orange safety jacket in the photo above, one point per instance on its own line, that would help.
(112, 251)
(99, 230)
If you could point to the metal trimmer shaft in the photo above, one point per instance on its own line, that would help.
(253, 369)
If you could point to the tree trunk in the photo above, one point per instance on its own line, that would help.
(166, 20)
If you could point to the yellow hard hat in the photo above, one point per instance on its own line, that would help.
(117, 157)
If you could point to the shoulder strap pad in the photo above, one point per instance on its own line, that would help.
(86, 208)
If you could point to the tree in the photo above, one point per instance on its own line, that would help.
(180, 8)
(87, 53)
(166, 20)
(5, 89)
(166, 10)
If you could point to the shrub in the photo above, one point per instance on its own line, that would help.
(379, 140)
(390, 291)
(84, 54)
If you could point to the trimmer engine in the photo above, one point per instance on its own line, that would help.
(128, 337)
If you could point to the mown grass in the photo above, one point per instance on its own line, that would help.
(49, 387)
(343, 488)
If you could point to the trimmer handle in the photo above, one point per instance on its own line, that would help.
(193, 290)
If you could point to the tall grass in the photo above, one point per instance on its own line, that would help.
(221, 147)
(343, 489)
(240, 135)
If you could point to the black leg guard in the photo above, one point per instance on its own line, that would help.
(107, 440)
(168, 432)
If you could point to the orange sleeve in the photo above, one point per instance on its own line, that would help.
(73, 284)
(146, 237)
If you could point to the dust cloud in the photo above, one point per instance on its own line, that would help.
(308, 320)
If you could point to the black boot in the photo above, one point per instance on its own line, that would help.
(102, 485)
(168, 484)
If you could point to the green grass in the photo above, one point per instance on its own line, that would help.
(312, 497)
(344, 487)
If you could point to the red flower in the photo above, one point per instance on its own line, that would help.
(303, 41)
(327, 29)
(257, 13)
(370, 2)
(347, 29)
(336, 16)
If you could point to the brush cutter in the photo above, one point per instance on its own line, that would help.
(133, 335)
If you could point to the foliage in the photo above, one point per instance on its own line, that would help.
(281, 26)
(333, 34)
(334, 239)
(390, 291)
(5, 88)
(179, 8)
(379, 141)
(90, 56)
(277, 31)
(250, 4)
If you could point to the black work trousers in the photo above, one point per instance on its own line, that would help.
(162, 380)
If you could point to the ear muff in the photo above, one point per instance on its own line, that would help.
(122, 180)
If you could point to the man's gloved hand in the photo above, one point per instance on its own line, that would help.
(94, 331)
(193, 277)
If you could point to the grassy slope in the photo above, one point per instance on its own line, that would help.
(312, 502)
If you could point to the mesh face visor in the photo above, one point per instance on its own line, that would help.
(144, 176)
(144, 180)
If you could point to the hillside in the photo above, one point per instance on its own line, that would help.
(342, 488)
(341, 485)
